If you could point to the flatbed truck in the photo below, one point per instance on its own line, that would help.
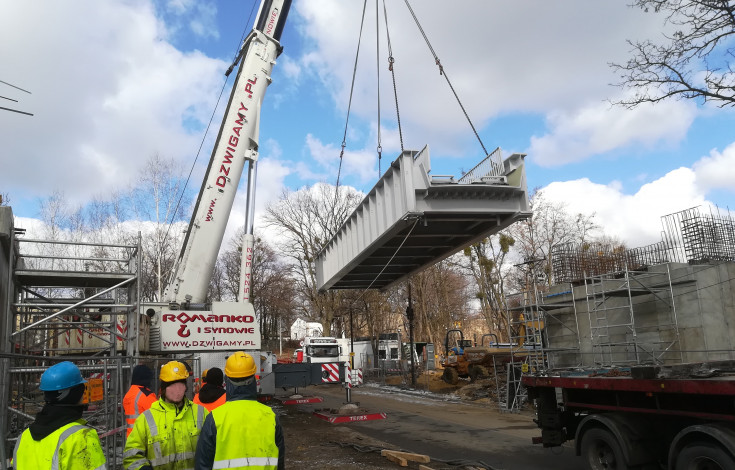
(641, 417)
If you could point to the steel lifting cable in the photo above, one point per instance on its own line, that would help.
(377, 67)
(238, 54)
(395, 253)
(349, 104)
(391, 62)
(443, 72)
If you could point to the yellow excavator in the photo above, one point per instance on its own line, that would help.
(465, 360)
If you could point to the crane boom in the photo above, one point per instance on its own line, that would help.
(236, 144)
(183, 321)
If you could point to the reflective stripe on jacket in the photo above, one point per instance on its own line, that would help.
(246, 436)
(71, 447)
(163, 438)
(134, 403)
(211, 406)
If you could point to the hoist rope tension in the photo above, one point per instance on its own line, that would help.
(446, 77)
(352, 90)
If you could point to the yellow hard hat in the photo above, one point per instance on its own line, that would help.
(240, 365)
(173, 371)
(204, 374)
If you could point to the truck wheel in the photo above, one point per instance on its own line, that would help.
(450, 375)
(704, 456)
(602, 451)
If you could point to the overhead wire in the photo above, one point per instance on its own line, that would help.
(16, 87)
(11, 99)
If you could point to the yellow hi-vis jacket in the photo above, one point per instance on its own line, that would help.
(73, 446)
(163, 438)
(246, 436)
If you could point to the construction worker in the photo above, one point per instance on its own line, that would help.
(212, 393)
(165, 435)
(140, 397)
(242, 433)
(58, 438)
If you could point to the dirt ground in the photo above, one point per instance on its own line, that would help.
(314, 443)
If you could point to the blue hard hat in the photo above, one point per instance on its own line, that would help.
(61, 376)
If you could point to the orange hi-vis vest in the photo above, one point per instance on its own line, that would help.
(211, 406)
(134, 404)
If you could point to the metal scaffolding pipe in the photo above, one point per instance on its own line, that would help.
(71, 307)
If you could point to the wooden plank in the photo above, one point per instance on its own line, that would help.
(394, 458)
(420, 458)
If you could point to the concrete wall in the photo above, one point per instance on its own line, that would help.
(6, 232)
(635, 319)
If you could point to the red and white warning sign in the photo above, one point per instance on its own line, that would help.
(355, 377)
(330, 373)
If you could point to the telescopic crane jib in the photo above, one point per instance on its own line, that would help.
(183, 322)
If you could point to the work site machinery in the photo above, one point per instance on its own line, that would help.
(185, 322)
(471, 361)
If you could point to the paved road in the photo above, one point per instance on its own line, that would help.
(449, 430)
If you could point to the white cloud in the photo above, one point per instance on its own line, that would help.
(557, 62)
(579, 134)
(634, 218)
(360, 163)
(717, 170)
(204, 22)
(104, 99)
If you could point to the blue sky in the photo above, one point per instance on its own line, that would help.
(115, 82)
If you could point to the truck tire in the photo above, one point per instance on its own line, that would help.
(601, 450)
(704, 456)
(450, 375)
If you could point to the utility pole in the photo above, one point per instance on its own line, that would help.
(352, 342)
(409, 314)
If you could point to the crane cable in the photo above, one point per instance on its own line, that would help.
(349, 104)
(444, 73)
(391, 62)
(379, 149)
(238, 54)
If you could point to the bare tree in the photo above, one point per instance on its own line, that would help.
(442, 298)
(696, 62)
(274, 294)
(4, 199)
(306, 220)
(550, 226)
(55, 215)
(486, 262)
(156, 198)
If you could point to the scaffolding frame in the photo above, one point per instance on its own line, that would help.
(70, 301)
(529, 315)
(616, 335)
